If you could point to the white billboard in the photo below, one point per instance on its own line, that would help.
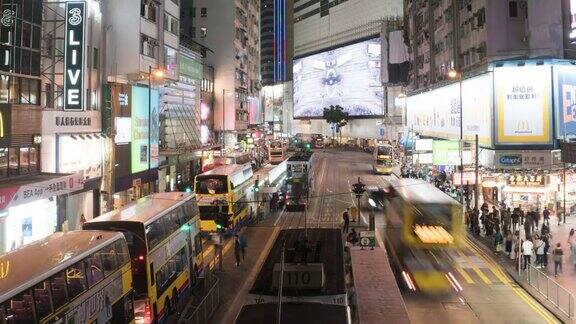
(523, 105)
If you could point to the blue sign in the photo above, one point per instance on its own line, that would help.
(382, 131)
(511, 160)
(565, 87)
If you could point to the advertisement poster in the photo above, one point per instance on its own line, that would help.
(435, 113)
(272, 102)
(523, 105)
(348, 76)
(139, 144)
(477, 109)
(565, 88)
(446, 153)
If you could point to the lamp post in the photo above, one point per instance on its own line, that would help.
(159, 74)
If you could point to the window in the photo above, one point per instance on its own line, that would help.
(109, 261)
(94, 269)
(148, 46)
(19, 309)
(42, 300)
(155, 232)
(170, 271)
(203, 32)
(171, 61)
(171, 24)
(95, 59)
(24, 160)
(13, 155)
(33, 160)
(58, 287)
(203, 12)
(513, 9)
(76, 280)
(121, 253)
(148, 10)
(3, 162)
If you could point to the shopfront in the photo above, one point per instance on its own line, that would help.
(35, 208)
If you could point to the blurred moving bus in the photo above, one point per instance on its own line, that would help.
(163, 235)
(423, 224)
(229, 158)
(229, 183)
(72, 277)
(383, 161)
(276, 152)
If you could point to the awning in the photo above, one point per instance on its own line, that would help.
(27, 189)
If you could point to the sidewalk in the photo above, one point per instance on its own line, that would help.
(235, 282)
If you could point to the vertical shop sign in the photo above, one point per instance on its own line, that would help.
(74, 56)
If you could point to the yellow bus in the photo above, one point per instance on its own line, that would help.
(276, 152)
(163, 235)
(72, 277)
(383, 159)
(231, 183)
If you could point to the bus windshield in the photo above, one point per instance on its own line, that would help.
(210, 185)
(385, 150)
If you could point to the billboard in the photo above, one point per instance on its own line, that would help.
(477, 109)
(565, 92)
(74, 55)
(348, 76)
(523, 105)
(139, 139)
(448, 153)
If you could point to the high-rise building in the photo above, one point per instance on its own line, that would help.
(231, 29)
(276, 40)
(467, 35)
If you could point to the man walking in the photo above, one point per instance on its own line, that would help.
(558, 255)
(237, 250)
(346, 219)
(546, 216)
(243, 245)
(527, 249)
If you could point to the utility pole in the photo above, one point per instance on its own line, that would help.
(279, 320)
(564, 190)
(476, 173)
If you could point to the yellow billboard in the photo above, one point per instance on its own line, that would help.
(523, 105)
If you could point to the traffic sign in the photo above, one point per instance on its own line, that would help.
(367, 238)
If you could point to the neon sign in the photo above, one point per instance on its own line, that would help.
(74, 56)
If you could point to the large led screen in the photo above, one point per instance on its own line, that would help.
(348, 76)
(140, 151)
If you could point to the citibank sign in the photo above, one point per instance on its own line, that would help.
(74, 56)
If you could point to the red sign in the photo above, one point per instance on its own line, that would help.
(20, 195)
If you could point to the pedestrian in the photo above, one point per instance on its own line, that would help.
(498, 241)
(346, 219)
(558, 255)
(243, 246)
(527, 249)
(546, 215)
(508, 242)
(535, 219)
(82, 220)
(515, 219)
(237, 250)
(527, 228)
(539, 248)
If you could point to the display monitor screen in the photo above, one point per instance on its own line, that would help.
(348, 76)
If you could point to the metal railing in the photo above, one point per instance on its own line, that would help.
(203, 311)
(551, 290)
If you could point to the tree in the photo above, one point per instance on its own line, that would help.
(337, 118)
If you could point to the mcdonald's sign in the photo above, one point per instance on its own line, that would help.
(4, 269)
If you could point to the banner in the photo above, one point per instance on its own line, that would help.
(139, 144)
(523, 105)
(19, 195)
(477, 109)
(74, 56)
(565, 104)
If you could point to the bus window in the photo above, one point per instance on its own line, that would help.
(109, 261)
(58, 286)
(75, 280)
(191, 209)
(197, 244)
(121, 253)
(42, 300)
(94, 269)
(173, 221)
(170, 270)
(212, 185)
(155, 233)
(19, 309)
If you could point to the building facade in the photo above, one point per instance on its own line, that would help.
(232, 31)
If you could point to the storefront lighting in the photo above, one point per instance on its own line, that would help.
(37, 139)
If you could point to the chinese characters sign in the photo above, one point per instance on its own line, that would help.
(523, 105)
(19, 195)
(526, 180)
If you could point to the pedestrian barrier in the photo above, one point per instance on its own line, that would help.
(551, 290)
(203, 311)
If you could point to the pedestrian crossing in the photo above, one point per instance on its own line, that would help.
(473, 269)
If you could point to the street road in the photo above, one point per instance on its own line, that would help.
(489, 295)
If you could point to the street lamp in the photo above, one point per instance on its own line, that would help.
(456, 75)
(158, 74)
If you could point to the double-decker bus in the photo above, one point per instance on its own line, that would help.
(318, 141)
(72, 277)
(230, 183)
(163, 235)
(298, 180)
(423, 225)
(383, 159)
(276, 152)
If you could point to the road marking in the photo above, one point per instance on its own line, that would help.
(475, 267)
(464, 274)
(279, 217)
(497, 270)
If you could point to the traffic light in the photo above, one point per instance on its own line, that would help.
(256, 185)
(358, 188)
(188, 189)
(307, 146)
(221, 222)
